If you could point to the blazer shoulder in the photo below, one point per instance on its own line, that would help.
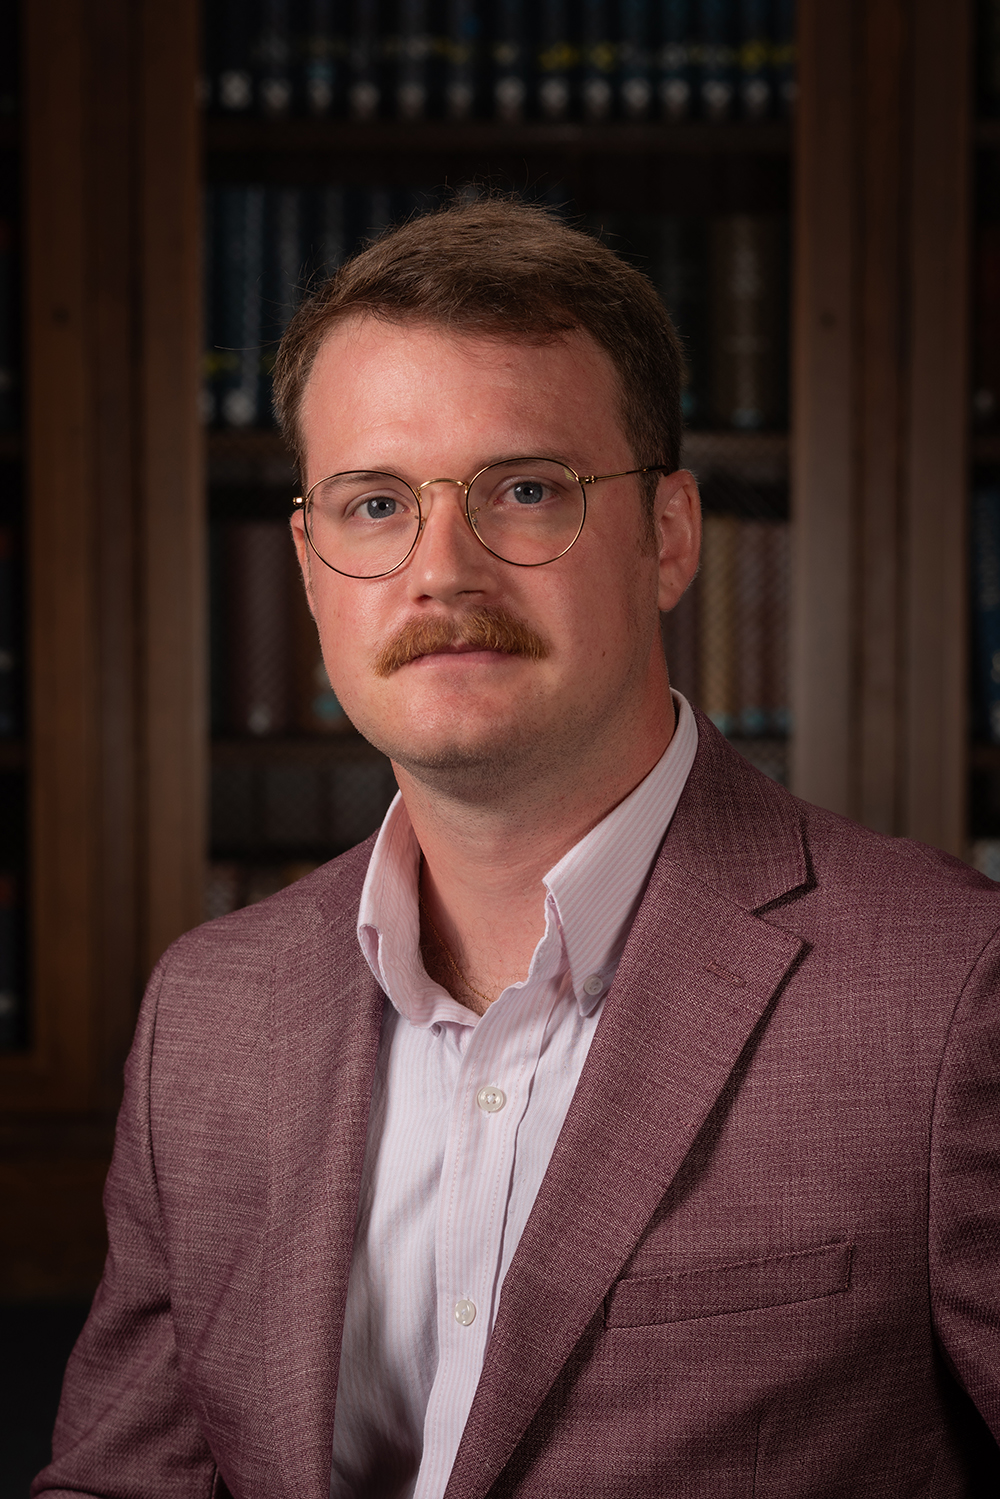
(325, 901)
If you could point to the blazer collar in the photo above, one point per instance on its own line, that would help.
(697, 976)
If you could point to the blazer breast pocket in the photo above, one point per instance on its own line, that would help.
(717, 1290)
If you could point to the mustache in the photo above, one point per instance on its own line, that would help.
(481, 629)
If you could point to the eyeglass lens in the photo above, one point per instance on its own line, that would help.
(526, 511)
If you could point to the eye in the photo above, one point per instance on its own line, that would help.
(381, 507)
(528, 492)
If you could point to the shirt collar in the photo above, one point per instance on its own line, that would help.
(595, 888)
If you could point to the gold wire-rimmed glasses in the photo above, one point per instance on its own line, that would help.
(525, 511)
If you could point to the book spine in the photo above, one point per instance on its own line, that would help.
(717, 57)
(755, 72)
(365, 92)
(776, 606)
(240, 221)
(674, 61)
(597, 61)
(984, 855)
(324, 234)
(274, 59)
(555, 61)
(679, 630)
(233, 91)
(746, 314)
(283, 278)
(751, 606)
(985, 539)
(635, 63)
(413, 60)
(509, 63)
(678, 271)
(783, 56)
(316, 709)
(11, 724)
(322, 59)
(13, 1018)
(986, 378)
(717, 625)
(462, 59)
(258, 576)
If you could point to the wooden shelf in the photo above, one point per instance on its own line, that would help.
(486, 137)
(258, 459)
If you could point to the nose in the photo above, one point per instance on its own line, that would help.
(448, 559)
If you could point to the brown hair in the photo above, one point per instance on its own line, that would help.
(503, 268)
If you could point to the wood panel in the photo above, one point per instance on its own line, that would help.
(879, 414)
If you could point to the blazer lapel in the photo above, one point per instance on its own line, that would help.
(696, 978)
(325, 1035)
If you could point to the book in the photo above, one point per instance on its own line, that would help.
(675, 88)
(322, 59)
(678, 270)
(462, 59)
(679, 631)
(232, 36)
(598, 60)
(315, 706)
(751, 606)
(324, 246)
(984, 855)
(717, 679)
(237, 303)
(413, 61)
(776, 608)
(283, 279)
(783, 55)
(257, 577)
(273, 57)
(555, 61)
(634, 60)
(756, 84)
(746, 306)
(509, 57)
(365, 88)
(985, 541)
(717, 56)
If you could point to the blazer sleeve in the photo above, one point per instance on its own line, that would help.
(125, 1429)
(964, 1226)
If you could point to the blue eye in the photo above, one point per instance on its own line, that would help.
(380, 508)
(528, 492)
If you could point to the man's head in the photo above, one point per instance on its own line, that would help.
(503, 269)
(463, 666)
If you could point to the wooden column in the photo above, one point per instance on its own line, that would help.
(116, 615)
(879, 414)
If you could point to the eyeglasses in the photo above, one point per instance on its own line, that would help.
(526, 511)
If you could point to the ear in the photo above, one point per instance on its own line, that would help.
(302, 551)
(677, 517)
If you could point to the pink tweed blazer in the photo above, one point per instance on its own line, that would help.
(765, 1259)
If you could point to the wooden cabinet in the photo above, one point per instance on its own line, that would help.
(113, 155)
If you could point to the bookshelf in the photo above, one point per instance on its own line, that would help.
(875, 175)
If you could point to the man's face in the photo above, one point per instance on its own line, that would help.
(422, 402)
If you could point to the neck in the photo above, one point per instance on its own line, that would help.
(483, 862)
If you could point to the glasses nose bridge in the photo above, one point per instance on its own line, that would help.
(459, 483)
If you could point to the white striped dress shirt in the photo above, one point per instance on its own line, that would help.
(465, 1114)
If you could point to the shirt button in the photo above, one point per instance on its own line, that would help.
(593, 985)
(465, 1311)
(490, 1099)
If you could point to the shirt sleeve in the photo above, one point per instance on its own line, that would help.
(125, 1428)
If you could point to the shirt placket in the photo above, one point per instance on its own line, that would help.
(491, 1096)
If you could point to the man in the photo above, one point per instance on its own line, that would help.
(613, 1123)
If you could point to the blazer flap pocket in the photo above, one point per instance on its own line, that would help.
(715, 1290)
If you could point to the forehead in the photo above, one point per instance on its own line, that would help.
(381, 391)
